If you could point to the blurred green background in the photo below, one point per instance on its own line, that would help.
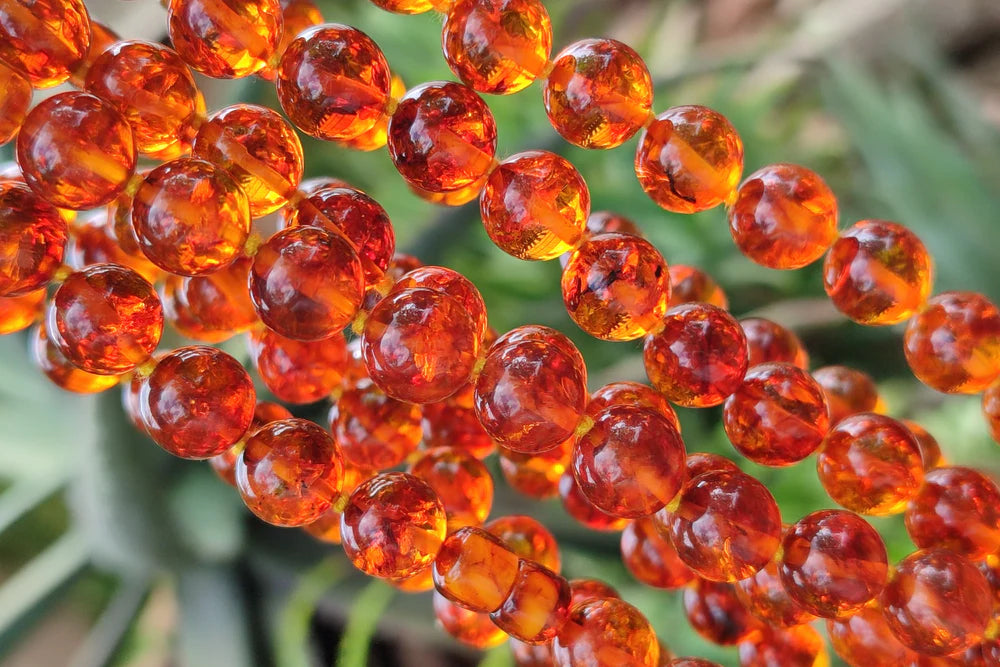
(111, 551)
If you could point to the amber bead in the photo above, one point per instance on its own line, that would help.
(535, 205)
(725, 526)
(536, 475)
(865, 639)
(798, 646)
(461, 481)
(306, 283)
(598, 93)
(225, 39)
(784, 217)
(953, 344)
(702, 462)
(956, 508)
(32, 240)
(378, 135)
(211, 308)
(45, 40)
(442, 137)
(76, 151)
(290, 472)
(299, 371)
(375, 431)
(130, 401)
(258, 148)
(92, 241)
(20, 312)
(580, 508)
(691, 662)
(930, 450)
(689, 283)
(768, 341)
(57, 368)
(420, 582)
(224, 464)
(327, 527)
(991, 411)
(588, 590)
(412, 6)
(833, 563)
(528, 538)
(765, 597)
(532, 390)
(475, 569)
(473, 628)
(689, 159)
(448, 424)
(848, 391)
(606, 632)
(870, 464)
(531, 655)
(15, 98)
(778, 416)
(105, 319)
(631, 393)
(297, 17)
(650, 556)
(453, 284)
(537, 605)
(600, 222)
(878, 272)
(716, 614)
(631, 462)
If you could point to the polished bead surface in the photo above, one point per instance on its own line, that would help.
(448, 423)
(225, 39)
(15, 99)
(587, 590)
(702, 462)
(224, 464)
(46, 40)
(473, 628)
(864, 638)
(848, 391)
(768, 341)
(537, 605)
(930, 450)
(374, 430)
(956, 508)
(798, 646)
(606, 632)
(635, 394)
(33, 238)
(461, 481)
(297, 17)
(213, 307)
(580, 508)
(58, 369)
(92, 241)
(453, 284)
(299, 371)
(20, 312)
(475, 569)
(536, 475)
(715, 613)
(689, 283)
(327, 527)
(528, 538)
(651, 558)
(765, 597)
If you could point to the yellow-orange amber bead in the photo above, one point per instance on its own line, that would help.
(991, 411)
(631, 393)
(105, 319)
(76, 151)
(865, 639)
(420, 582)
(616, 286)
(606, 632)
(20, 312)
(299, 371)
(211, 308)
(224, 464)
(598, 93)
(497, 46)
(536, 475)
(587, 590)
(798, 646)
(689, 159)
(475, 569)
(764, 596)
(715, 613)
(449, 424)
(32, 240)
(701, 462)
(784, 217)
(453, 284)
(537, 605)
(600, 222)
(768, 341)
(469, 627)
(258, 148)
(297, 17)
(870, 464)
(930, 450)
(92, 241)
(333, 82)
(953, 344)
(848, 391)
(461, 481)
(375, 431)
(45, 40)
(15, 98)
(442, 137)
(225, 39)
(958, 509)
(378, 135)
(327, 527)
(580, 508)
(650, 556)
(57, 368)
(290, 472)
(689, 283)
(528, 538)
(531, 655)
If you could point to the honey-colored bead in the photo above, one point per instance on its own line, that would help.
(991, 411)
(211, 308)
(576, 504)
(258, 148)
(15, 98)
(650, 556)
(32, 240)
(848, 391)
(105, 319)
(461, 481)
(197, 403)
(473, 628)
(606, 632)
(92, 241)
(726, 525)
(768, 342)
(57, 368)
(46, 40)
(537, 605)
(956, 508)
(798, 646)
(225, 39)
(475, 569)
(702, 462)
(290, 472)
(689, 284)
(601, 222)
(528, 538)
(377, 137)
(536, 475)
(630, 463)
(833, 563)
(20, 312)
(297, 17)
(334, 82)
(631, 393)
(442, 137)
(716, 614)
(531, 655)
(299, 371)
(765, 597)
(598, 93)
(953, 344)
(327, 527)
(870, 464)
(865, 639)
(497, 46)
(421, 582)
(76, 151)
(937, 602)
(930, 450)
(689, 159)
(375, 431)
(224, 464)
(878, 273)
(535, 205)
(453, 284)
(778, 416)
(784, 217)
(616, 286)
(448, 424)
(306, 283)
(588, 590)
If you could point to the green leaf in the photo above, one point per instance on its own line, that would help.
(500, 656)
(292, 632)
(25, 496)
(208, 515)
(362, 621)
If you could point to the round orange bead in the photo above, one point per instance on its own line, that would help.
(765, 597)
(20, 312)
(453, 284)
(878, 273)
(601, 222)
(461, 481)
(770, 342)
(76, 151)
(46, 40)
(702, 462)
(92, 241)
(297, 17)
(689, 283)
(798, 646)
(537, 605)
(716, 614)
(299, 371)
(848, 391)
(412, 6)
(784, 217)
(991, 411)
(953, 345)
(930, 450)
(865, 639)
(598, 93)
(377, 137)
(469, 627)
(833, 563)
(211, 308)
(606, 632)
(531, 655)
(225, 39)
(778, 416)
(475, 569)
(32, 240)
(528, 538)
(105, 319)
(536, 475)
(375, 431)
(15, 98)
(224, 464)
(616, 286)
(327, 527)
(449, 424)
(442, 137)
(631, 393)
(689, 159)
(650, 556)
(958, 509)
(576, 504)
(420, 582)
(57, 368)
(588, 590)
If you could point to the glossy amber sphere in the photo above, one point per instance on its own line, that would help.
(726, 525)
(864, 638)
(689, 159)
(306, 283)
(701, 462)
(297, 17)
(105, 319)
(715, 613)
(768, 341)
(991, 411)
(76, 151)
(848, 391)
(930, 450)
(580, 508)
(631, 393)
(461, 481)
(537, 606)
(475, 569)
(956, 508)
(587, 590)
(46, 40)
(616, 286)
(32, 240)
(455, 285)
(536, 475)
(299, 371)
(197, 403)
(798, 646)
(375, 431)
(766, 598)
(451, 424)
(689, 283)
(224, 464)
(327, 527)
(651, 558)
(878, 272)
(833, 563)
(698, 357)
(631, 462)
(535, 205)
(936, 602)
(532, 390)
(15, 98)
(225, 39)
(606, 632)
(473, 628)
(420, 582)
(57, 368)
(528, 538)
(870, 464)
(211, 308)
(20, 312)
(92, 241)
(778, 416)
(784, 216)
(442, 137)
(598, 93)
(953, 344)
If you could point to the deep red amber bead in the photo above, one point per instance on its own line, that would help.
(453, 284)
(631, 393)
(475, 569)
(768, 341)
(450, 424)
(327, 527)
(716, 614)
(32, 240)
(46, 40)
(469, 627)
(57, 368)
(587, 590)
(848, 391)
(689, 283)
(536, 475)
(225, 39)
(299, 371)
(528, 538)
(606, 631)
(211, 308)
(375, 431)
(864, 638)
(956, 508)
(580, 508)
(15, 98)
(702, 462)
(765, 597)
(650, 556)
(461, 481)
(92, 241)
(798, 646)
(930, 450)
